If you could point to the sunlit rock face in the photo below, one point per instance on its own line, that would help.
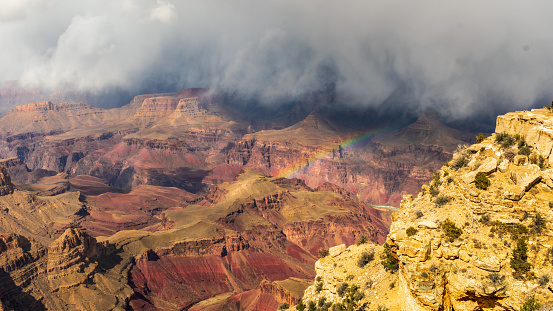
(459, 243)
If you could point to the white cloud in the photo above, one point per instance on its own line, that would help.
(163, 12)
(12, 10)
(455, 55)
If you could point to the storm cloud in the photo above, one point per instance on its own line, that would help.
(453, 56)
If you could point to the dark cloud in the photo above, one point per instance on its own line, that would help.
(457, 57)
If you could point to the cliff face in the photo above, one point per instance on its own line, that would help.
(379, 170)
(467, 242)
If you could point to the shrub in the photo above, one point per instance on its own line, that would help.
(485, 219)
(505, 140)
(341, 290)
(382, 308)
(531, 304)
(481, 181)
(411, 231)
(300, 306)
(442, 200)
(479, 137)
(419, 214)
(524, 150)
(514, 229)
(543, 280)
(387, 260)
(519, 258)
(322, 305)
(318, 278)
(451, 231)
(319, 287)
(496, 279)
(312, 306)
(510, 154)
(459, 162)
(541, 162)
(365, 258)
(538, 224)
(433, 191)
(323, 252)
(362, 240)
(284, 306)
(351, 297)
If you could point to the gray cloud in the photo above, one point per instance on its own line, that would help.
(454, 56)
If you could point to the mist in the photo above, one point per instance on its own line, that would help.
(461, 58)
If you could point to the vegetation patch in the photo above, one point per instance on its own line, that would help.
(433, 191)
(319, 287)
(519, 259)
(514, 230)
(531, 304)
(524, 150)
(481, 181)
(496, 279)
(543, 280)
(538, 224)
(411, 231)
(505, 140)
(479, 137)
(362, 240)
(442, 200)
(461, 161)
(351, 297)
(323, 252)
(387, 260)
(451, 230)
(365, 258)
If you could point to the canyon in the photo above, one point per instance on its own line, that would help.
(171, 202)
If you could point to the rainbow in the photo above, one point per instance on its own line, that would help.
(349, 143)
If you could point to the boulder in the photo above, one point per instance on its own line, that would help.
(526, 178)
(336, 250)
(427, 224)
(521, 160)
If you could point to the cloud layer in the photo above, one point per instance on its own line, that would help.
(455, 56)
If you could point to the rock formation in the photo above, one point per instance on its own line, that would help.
(6, 186)
(469, 241)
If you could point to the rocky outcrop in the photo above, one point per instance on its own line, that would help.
(72, 258)
(536, 126)
(6, 186)
(458, 244)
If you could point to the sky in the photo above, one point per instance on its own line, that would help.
(458, 57)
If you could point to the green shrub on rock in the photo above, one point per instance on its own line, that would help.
(524, 150)
(505, 140)
(388, 261)
(411, 231)
(451, 230)
(481, 181)
(365, 258)
(442, 200)
(519, 259)
(531, 304)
